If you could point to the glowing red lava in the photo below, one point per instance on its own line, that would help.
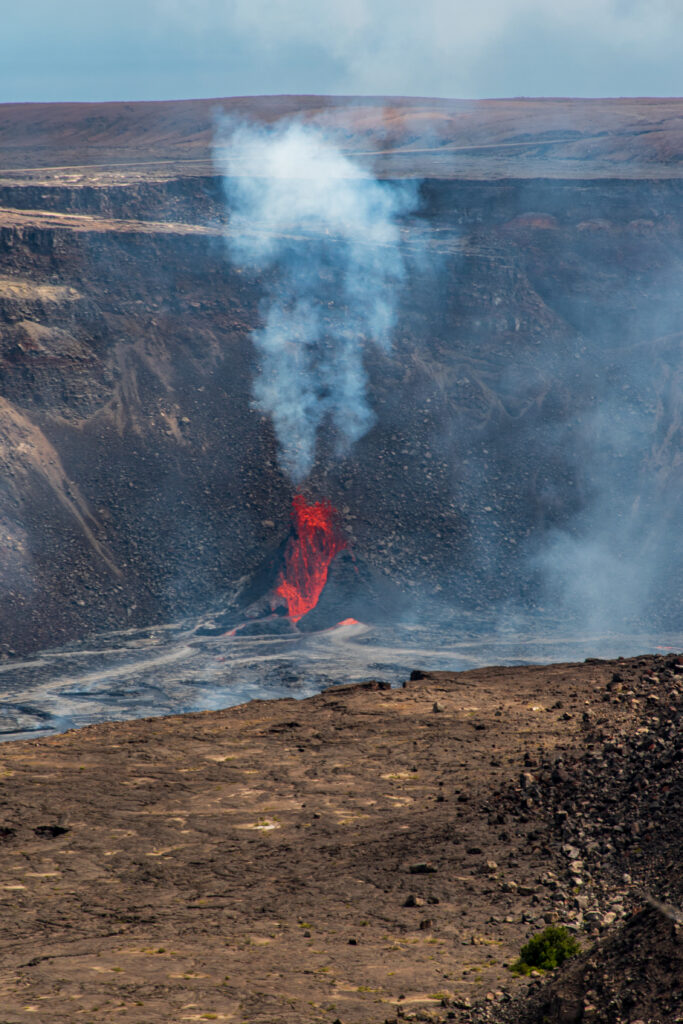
(317, 539)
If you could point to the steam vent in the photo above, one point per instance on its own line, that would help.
(312, 410)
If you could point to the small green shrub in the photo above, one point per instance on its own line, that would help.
(546, 951)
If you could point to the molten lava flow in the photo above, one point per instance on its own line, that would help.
(317, 539)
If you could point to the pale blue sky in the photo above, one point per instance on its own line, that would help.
(173, 49)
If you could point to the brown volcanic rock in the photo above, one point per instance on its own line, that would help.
(634, 974)
(399, 135)
(354, 855)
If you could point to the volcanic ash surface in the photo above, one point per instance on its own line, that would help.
(367, 855)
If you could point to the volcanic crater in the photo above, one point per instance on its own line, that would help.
(370, 853)
(530, 400)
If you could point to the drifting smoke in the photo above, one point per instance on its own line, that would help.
(614, 564)
(324, 234)
(572, 485)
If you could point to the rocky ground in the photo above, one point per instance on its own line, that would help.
(365, 855)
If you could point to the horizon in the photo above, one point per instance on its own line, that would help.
(351, 96)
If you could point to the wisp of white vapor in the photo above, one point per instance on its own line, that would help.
(323, 235)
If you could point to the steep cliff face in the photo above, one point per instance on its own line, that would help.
(527, 448)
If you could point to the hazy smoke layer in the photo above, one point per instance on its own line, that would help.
(323, 233)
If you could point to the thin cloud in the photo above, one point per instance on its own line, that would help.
(155, 49)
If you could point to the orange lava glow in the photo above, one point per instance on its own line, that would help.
(317, 539)
(348, 622)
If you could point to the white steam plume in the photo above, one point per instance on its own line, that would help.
(324, 235)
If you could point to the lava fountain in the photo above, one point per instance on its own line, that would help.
(316, 539)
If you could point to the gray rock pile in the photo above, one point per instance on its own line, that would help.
(609, 815)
